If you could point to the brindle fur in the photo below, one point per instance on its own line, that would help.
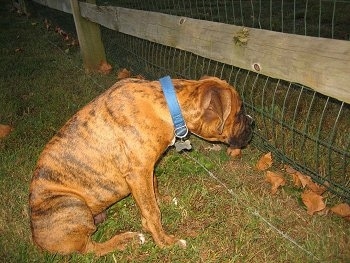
(108, 150)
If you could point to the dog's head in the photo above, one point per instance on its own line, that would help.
(222, 114)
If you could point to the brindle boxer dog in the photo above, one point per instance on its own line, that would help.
(109, 149)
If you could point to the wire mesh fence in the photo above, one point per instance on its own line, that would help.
(301, 127)
(320, 18)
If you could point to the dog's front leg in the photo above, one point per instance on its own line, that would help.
(142, 190)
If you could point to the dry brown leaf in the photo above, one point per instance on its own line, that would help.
(264, 162)
(342, 210)
(234, 152)
(316, 188)
(275, 179)
(123, 74)
(312, 201)
(306, 181)
(104, 68)
(289, 169)
(5, 130)
(61, 32)
(292, 172)
(296, 180)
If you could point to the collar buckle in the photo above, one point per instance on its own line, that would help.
(181, 132)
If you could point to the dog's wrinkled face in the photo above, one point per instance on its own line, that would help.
(242, 130)
(223, 115)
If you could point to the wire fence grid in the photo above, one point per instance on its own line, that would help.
(319, 18)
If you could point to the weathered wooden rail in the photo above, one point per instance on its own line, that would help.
(318, 63)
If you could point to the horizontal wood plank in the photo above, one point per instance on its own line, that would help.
(318, 63)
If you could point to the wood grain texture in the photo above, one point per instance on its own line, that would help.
(318, 63)
(90, 41)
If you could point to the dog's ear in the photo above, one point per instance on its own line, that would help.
(216, 105)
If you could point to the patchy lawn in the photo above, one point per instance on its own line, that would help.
(222, 206)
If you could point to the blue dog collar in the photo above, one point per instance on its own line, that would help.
(180, 127)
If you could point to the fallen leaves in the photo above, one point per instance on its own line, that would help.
(296, 180)
(275, 179)
(265, 162)
(308, 183)
(313, 202)
(304, 181)
(68, 38)
(124, 74)
(312, 195)
(62, 33)
(342, 210)
(5, 130)
(104, 68)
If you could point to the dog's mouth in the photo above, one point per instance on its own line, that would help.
(242, 139)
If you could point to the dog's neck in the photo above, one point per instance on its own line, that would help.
(180, 128)
(187, 100)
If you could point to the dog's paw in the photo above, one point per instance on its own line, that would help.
(142, 239)
(234, 153)
(182, 243)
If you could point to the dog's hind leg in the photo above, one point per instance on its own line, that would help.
(64, 224)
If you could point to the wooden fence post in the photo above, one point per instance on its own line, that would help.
(91, 45)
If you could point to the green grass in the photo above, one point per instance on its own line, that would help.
(42, 86)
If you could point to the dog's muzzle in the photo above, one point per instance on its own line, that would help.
(243, 138)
